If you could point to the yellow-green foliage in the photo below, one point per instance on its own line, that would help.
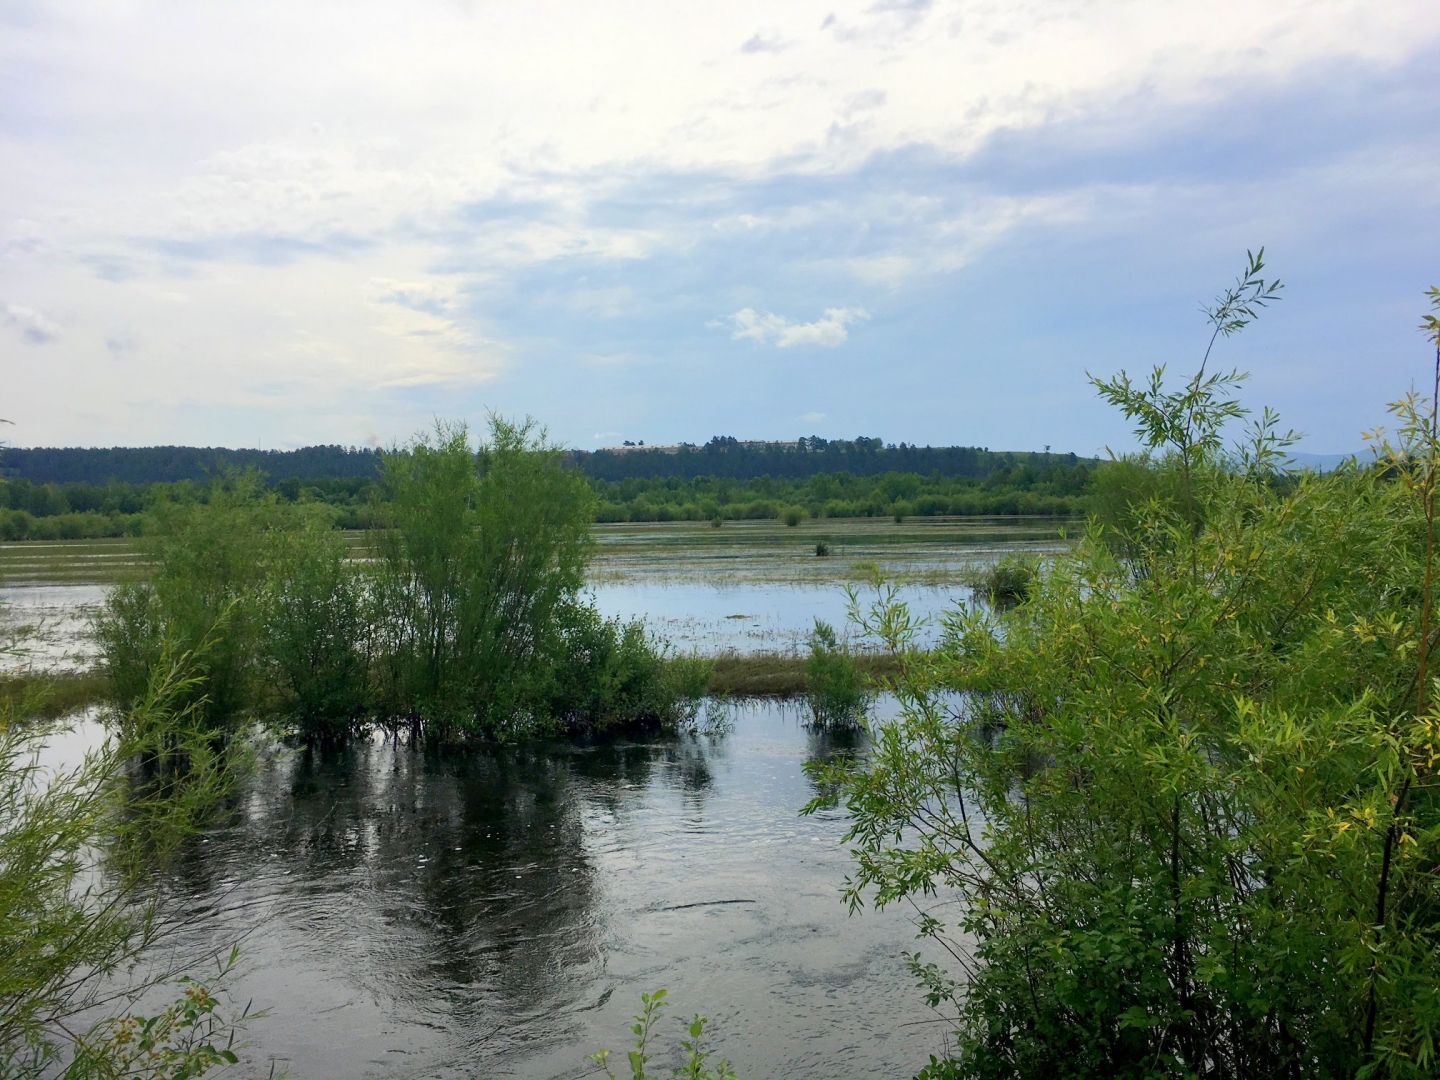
(1188, 794)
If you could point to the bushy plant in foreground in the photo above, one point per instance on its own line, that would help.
(697, 1058)
(78, 849)
(1186, 799)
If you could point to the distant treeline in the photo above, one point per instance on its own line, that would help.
(735, 460)
(722, 456)
(45, 494)
(168, 464)
(1056, 489)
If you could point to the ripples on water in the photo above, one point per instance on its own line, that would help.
(498, 913)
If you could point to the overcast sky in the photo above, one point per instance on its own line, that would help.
(286, 223)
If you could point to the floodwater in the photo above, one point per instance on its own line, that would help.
(497, 914)
(748, 587)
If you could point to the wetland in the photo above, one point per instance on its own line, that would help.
(413, 912)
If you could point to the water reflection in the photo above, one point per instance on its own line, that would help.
(497, 914)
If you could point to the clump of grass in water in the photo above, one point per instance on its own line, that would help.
(1006, 582)
(822, 549)
(834, 684)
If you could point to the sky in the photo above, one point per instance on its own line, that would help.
(278, 224)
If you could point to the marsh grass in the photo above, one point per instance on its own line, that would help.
(1007, 581)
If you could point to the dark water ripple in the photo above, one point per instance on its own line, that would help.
(498, 914)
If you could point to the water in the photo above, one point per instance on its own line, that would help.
(497, 914)
(746, 616)
(704, 616)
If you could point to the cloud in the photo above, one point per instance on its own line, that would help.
(436, 298)
(120, 344)
(34, 327)
(812, 417)
(765, 41)
(768, 328)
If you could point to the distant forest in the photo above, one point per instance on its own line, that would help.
(722, 457)
(168, 464)
(82, 494)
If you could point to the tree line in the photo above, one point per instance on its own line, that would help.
(32, 510)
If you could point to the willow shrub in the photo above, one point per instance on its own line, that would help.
(211, 565)
(480, 629)
(1184, 797)
(79, 847)
(316, 634)
(482, 554)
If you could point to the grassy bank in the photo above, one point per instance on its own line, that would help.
(782, 675)
(736, 675)
(58, 694)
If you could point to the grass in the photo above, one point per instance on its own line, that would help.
(734, 675)
(781, 675)
(60, 693)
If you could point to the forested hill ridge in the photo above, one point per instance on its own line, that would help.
(722, 456)
(169, 464)
(736, 460)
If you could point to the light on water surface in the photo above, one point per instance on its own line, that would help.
(498, 913)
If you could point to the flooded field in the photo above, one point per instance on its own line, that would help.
(748, 586)
(496, 914)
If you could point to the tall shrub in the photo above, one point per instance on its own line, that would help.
(483, 551)
(1187, 797)
(317, 633)
(209, 563)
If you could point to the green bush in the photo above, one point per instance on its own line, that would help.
(835, 688)
(317, 636)
(793, 516)
(611, 674)
(1007, 580)
(211, 564)
(483, 553)
(78, 852)
(1184, 803)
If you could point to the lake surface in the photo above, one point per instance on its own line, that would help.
(498, 914)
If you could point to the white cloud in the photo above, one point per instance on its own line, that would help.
(830, 330)
(333, 188)
(33, 326)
